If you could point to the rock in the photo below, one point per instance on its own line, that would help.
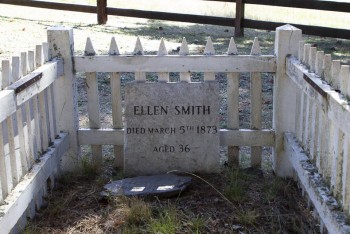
(164, 185)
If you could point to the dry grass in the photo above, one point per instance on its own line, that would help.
(76, 207)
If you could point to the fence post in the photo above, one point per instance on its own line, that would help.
(239, 29)
(60, 41)
(102, 11)
(284, 96)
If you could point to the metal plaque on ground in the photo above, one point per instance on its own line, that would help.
(171, 126)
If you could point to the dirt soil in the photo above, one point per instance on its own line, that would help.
(235, 201)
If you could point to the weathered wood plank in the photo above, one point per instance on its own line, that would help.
(241, 137)
(30, 134)
(102, 15)
(101, 136)
(344, 76)
(3, 171)
(327, 68)
(176, 63)
(335, 81)
(239, 17)
(15, 172)
(233, 114)
(16, 68)
(94, 114)
(7, 104)
(39, 56)
(162, 51)
(337, 162)
(22, 146)
(184, 51)
(209, 50)
(6, 74)
(43, 120)
(31, 60)
(315, 144)
(306, 55)
(66, 107)
(325, 160)
(346, 174)
(36, 127)
(138, 51)
(319, 63)
(24, 63)
(256, 105)
(117, 117)
(284, 95)
(51, 112)
(301, 50)
(312, 58)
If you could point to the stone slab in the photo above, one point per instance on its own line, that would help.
(164, 185)
(171, 126)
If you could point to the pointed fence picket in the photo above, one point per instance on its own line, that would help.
(93, 105)
(184, 51)
(233, 105)
(256, 102)
(185, 64)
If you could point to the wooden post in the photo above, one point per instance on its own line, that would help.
(284, 96)
(65, 94)
(102, 11)
(239, 29)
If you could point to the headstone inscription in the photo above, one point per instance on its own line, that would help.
(171, 126)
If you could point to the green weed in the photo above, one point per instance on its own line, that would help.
(277, 186)
(235, 190)
(247, 217)
(139, 212)
(167, 222)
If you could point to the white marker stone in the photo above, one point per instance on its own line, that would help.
(171, 126)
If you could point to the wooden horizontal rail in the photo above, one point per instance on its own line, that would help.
(334, 104)
(200, 19)
(306, 4)
(88, 136)
(247, 137)
(214, 20)
(242, 137)
(315, 5)
(175, 63)
(52, 5)
(7, 104)
(307, 29)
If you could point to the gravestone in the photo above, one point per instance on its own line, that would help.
(165, 185)
(171, 126)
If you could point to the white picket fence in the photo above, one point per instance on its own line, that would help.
(322, 121)
(184, 64)
(30, 143)
(39, 115)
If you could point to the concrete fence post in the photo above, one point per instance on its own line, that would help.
(60, 41)
(284, 97)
